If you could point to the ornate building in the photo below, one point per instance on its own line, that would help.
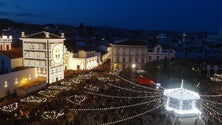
(135, 53)
(125, 54)
(5, 42)
(45, 51)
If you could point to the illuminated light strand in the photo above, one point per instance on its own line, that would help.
(139, 91)
(66, 83)
(157, 85)
(214, 116)
(215, 112)
(79, 99)
(52, 115)
(104, 79)
(59, 88)
(213, 105)
(137, 84)
(84, 76)
(33, 99)
(10, 108)
(128, 118)
(211, 95)
(217, 103)
(92, 88)
(112, 108)
(123, 97)
(75, 80)
(48, 93)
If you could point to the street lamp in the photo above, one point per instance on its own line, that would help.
(133, 68)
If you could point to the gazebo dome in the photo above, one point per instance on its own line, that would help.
(181, 101)
(181, 94)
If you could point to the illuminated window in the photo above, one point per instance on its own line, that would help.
(30, 77)
(5, 84)
(16, 81)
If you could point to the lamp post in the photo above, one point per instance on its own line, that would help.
(133, 68)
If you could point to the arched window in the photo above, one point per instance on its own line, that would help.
(7, 47)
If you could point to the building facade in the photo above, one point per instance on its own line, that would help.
(125, 54)
(84, 59)
(45, 51)
(158, 53)
(5, 42)
(135, 54)
(10, 81)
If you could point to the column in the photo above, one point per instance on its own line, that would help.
(181, 104)
(193, 104)
(167, 103)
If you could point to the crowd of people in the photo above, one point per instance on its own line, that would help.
(107, 96)
(98, 107)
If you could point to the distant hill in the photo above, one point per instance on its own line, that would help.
(110, 33)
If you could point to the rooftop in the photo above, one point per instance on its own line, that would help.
(132, 42)
(43, 35)
(13, 53)
(181, 94)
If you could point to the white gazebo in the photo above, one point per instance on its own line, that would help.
(181, 101)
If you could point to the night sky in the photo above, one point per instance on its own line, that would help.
(176, 15)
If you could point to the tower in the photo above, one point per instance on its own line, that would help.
(44, 51)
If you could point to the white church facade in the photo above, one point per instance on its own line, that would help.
(44, 51)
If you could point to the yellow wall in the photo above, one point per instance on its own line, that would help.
(8, 82)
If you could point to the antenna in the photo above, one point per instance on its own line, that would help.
(182, 83)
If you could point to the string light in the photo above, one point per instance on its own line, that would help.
(206, 108)
(59, 87)
(112, 108)
(128, 89)
(137, 84)
(218, 103)
(214, 112)
(124, 97)
(75, 80)
(212, 105)
(10, 108)
(84, 76)
(92, 88)
(78, 99)
(48, 93)
(52, 115)
(33, 99)
(137, 115)
(211, 95)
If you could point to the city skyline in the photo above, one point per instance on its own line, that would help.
(187, 16)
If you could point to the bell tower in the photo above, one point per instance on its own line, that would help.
(44, 51)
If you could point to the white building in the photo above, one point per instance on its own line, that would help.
(10, 81)
(44, 51)
(5, 42)
(124, 54)
(159, 53)
(84, 59)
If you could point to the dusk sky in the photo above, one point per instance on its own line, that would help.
(176, 15)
